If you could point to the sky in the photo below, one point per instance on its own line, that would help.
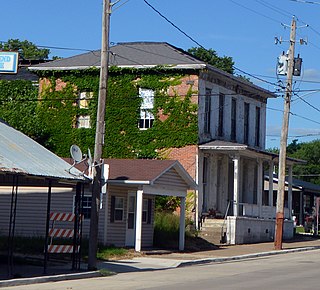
(242, 29)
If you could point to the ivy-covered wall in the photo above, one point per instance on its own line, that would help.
(51, 120)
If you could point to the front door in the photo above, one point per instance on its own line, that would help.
(131, 221)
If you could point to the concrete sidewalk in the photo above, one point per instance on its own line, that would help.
(153, 260)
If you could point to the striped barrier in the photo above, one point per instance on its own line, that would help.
(61, 249)
(62, 216)
(61, 233)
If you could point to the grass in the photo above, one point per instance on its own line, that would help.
(114, 253)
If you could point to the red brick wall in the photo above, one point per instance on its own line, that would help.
(185, 155)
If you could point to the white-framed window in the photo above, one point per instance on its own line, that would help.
(145, 210)
(147, 103)
(117, 208)
(83, 101)
(86, 206)
(83, 121)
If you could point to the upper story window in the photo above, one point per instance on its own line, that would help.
(146, 117)
(246, 123)
(221, 114)
(233, 119)
(257, 127)
(83, 121)
(207, 111)
(83, 101)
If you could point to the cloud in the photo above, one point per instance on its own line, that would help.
(311, 74)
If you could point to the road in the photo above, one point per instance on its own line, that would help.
(287, 271)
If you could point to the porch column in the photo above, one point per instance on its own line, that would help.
(236, 185)
(271, 164)
(260, 186)
(137, 244)
(182, 223)
(301, 207)
(290, 191)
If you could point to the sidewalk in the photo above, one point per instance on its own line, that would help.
(155, 260)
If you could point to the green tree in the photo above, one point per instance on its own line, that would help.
(210, 56)
(26, 49)
(310, 152)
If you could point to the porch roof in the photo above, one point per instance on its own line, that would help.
(148, 172)
(245, 150)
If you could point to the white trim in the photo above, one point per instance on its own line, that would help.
(169, 191)
(138, 233)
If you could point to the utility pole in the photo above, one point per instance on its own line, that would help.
(283, 142)
(99, 138)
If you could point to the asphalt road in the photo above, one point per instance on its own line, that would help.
(288, 271)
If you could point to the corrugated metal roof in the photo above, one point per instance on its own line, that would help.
(22, 155)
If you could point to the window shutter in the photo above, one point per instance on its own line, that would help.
(113, 200)
(149, 210)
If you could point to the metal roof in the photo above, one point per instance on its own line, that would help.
(21, 155)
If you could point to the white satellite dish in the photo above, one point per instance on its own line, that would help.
(76, 153)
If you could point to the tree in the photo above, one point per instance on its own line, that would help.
(26, 49)
(310, 152)
(210, 56)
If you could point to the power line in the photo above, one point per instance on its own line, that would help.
(175, 26)
(256, 12)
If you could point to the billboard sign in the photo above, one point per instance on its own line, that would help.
(8, 62)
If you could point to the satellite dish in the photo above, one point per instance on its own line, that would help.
(76, 153)
(89, 157)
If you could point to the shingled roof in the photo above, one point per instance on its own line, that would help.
(133, 54)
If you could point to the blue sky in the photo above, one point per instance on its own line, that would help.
(243, 29)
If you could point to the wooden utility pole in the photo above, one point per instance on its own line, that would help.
(283, 142)
(99, 138)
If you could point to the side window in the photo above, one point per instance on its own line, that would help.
(83, 101)
(147, 103)
(207, 111)
(246, 123)
(117, 208)
(146, 210)
(221, 115)
(86, 206)
(257, 129)
(83, 121)
(234, 119)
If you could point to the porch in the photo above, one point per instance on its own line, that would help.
(231, 185)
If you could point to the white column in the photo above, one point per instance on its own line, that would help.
(271, 164)
(301, 214)
(290, 191)
(260, 186)
(182, 223)
(138, 233)
(236, 185)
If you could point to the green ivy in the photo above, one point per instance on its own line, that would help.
(52, 119)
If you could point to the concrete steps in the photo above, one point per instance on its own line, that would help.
(211, 230)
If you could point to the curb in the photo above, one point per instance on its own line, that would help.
(53, 278)
(246, 256)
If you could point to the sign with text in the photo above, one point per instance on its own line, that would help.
(8, 62)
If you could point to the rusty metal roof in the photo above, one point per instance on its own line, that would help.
(21, 155)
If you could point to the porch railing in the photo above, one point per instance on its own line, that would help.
(267, 212)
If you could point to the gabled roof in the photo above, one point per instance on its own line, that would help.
(133, 54)
(20, 155)
(144, 171)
